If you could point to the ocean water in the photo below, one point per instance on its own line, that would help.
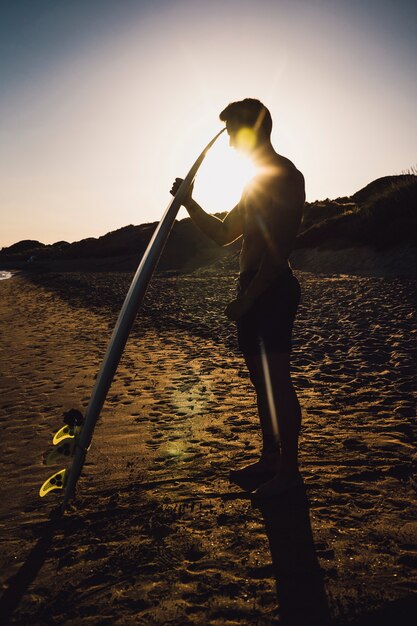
(4, 275)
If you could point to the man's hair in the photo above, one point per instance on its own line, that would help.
(248, 112)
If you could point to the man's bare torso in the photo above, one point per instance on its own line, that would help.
(271, 209)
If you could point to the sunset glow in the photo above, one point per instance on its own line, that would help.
(104, 104)
(223, 176)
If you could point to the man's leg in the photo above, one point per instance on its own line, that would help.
(288, 412)
(266, 412)
(270, 454)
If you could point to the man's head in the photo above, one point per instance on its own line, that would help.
(248, 123)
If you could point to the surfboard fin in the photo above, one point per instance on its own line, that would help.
(73, 421)
(61, 451)
(64, 441)
(56, 481)
(66, 432)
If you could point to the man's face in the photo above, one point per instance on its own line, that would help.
(242, 138)
(232, 130)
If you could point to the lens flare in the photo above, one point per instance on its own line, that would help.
(222, 177)
(246, 139)
(175, 449)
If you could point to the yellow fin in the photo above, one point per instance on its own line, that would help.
(61, 451)
(65, 433)
(56, 481)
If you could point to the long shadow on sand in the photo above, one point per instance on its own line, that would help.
(20, 582)
(300, 590)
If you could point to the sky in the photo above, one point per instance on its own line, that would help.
(103, 103)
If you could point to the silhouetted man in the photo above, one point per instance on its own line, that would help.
(268, 217)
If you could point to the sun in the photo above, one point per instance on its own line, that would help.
(222, 177)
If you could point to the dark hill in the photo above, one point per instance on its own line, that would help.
(24, 246)
(381, 215)
(122, 249)
(381, 186)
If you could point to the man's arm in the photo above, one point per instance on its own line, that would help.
(275, 259)
(282, 227)
(223, 232)
(268, 272)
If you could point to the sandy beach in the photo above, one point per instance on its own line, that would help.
(158, 534)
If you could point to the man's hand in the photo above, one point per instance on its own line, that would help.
(188, 198)
(238, 307)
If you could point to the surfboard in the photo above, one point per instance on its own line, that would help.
(67, 479)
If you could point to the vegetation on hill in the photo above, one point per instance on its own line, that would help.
(382, 214)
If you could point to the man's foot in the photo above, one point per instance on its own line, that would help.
(279, 484)
(267, 466)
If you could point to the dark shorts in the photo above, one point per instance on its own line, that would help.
(271, 317)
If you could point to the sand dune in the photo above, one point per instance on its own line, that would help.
(158, 535)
